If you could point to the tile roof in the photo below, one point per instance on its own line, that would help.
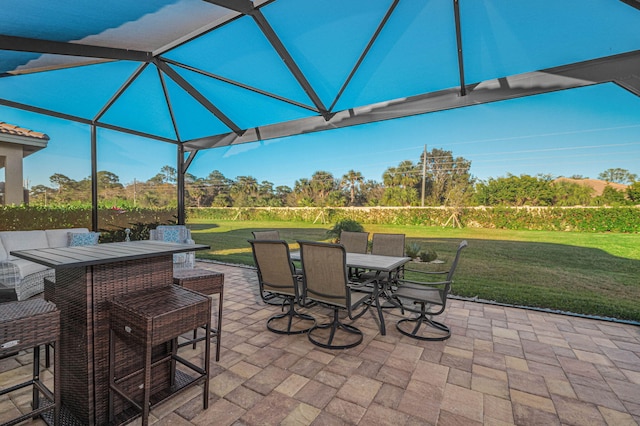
(12, 129)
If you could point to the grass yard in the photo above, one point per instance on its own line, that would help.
(592, 274)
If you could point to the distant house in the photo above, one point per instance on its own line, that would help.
(15, 144)
(596, 184)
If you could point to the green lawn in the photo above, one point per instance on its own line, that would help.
(593, 274)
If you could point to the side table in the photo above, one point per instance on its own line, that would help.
(205, 282)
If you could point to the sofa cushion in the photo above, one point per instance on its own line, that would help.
(180, 257)
(170, 235)
(23, 240)
(26, 267)
(83, 238)
(60, 237)
(3, 252)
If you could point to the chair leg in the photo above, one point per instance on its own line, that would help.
(207, 366)
(335, 325)
(421, 319)
(112, 370)
(219, 325)
(271, 299)
(47, 355)
(290, 315)
(35, 393)
(147, 384)
(195, 336)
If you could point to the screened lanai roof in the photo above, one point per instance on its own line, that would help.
(217, 72)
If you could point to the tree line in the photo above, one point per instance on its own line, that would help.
(437, 178)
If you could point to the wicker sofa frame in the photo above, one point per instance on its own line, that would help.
(13, 284)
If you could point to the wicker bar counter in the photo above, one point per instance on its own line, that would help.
(87, 277)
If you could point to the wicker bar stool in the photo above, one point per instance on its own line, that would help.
(205, 282)
(30, 324)
(146, 319)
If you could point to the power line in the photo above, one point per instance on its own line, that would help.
(555, 149)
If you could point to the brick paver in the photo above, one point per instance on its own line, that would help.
(501, 366)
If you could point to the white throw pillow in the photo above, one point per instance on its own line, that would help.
(3, 252)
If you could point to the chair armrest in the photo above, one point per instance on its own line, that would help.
(427, 272)
(369, 284)
(189, 241)
(425, 277)
(9, 274)
(422, 284)
(364, 282)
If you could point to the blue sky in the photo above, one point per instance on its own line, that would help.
(575, 132)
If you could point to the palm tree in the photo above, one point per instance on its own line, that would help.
(321, 184)
(351, 181)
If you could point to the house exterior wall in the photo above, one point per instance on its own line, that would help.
(11, 158)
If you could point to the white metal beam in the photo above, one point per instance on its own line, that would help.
(623, 69)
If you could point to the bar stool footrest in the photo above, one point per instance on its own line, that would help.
(66, 418)
(182, 381)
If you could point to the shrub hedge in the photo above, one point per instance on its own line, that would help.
(38, 217)
(578, 219)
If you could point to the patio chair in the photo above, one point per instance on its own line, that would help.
(426, 299)
(268, 297)
(325, 282)
(266, 235)
(387, 245)
(277, 276)
(354, 242)
(176, 234)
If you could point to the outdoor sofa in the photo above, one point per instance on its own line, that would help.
(20, 278)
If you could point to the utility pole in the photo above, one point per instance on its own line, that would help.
(424, 173)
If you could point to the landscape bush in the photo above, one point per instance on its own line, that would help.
(26, 218)
(428, 255)
(344, 225)
(412, 250)
(624, 219)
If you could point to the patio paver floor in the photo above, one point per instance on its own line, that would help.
(501, 366)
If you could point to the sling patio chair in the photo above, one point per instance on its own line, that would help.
(268, 297)
(386, 245)
(354, 242)
(266, 235)
(277, 276)
(325, 282)
(426, 299)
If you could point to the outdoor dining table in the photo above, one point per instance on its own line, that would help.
(372, 262)
(87, 277)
